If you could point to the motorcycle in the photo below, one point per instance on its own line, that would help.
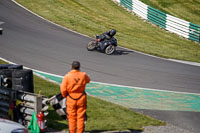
(106, 46)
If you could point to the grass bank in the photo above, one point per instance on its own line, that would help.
(184, 9)
(93, 16)
(102, 115)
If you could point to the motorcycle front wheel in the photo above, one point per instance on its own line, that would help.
(110, 49)
(91, 46)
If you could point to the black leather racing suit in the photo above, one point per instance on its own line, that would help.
(106, 37)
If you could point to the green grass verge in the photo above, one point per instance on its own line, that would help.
(102, 115)
(91, 17)
(3, 62)
(184, 9)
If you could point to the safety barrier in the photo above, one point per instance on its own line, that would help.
(28, 103)
(16, 77)
(16, 100)
(181, 27)
(5, 100)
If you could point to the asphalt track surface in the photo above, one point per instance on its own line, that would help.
(38, 44)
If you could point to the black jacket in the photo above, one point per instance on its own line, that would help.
(105, 36)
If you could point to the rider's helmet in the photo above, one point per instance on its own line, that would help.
(112, 32)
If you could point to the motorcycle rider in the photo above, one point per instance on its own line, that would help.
(107, 36)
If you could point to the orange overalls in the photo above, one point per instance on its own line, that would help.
(73, 87)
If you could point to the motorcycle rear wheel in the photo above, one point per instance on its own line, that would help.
(91, 46)
(110, 49)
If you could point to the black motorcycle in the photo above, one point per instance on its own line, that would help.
(106, 46)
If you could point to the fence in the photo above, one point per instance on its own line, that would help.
(181, 27)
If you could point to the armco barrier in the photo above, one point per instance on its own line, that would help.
(14, 84)
(30, 103)
(181, 27)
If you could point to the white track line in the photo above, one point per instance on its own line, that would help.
(190, 63)
(186, 62)
(138, 88)
(179, 61)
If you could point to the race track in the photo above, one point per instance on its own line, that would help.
(38, 44)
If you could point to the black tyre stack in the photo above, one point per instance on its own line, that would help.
(6, 77)
(23, 80)
(17, 78)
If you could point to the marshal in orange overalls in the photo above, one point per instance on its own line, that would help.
(73, 87)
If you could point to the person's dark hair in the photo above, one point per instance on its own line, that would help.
(76, 65)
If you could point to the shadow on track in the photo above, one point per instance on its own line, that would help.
(122, 52)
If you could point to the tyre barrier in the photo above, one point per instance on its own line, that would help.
(5, 100)
(6, 74)
(17, 100)
(178, 26)
(22, 80)
(10, 66)
(17, 78)
(6, 78)
(21, 105)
